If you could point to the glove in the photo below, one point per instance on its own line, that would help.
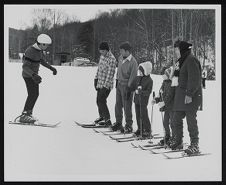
(187, 99)
(95, 83)
(157, 99)
(53, 69)
(161, 106)
(37, 79)
(116, 83)
(162, 109)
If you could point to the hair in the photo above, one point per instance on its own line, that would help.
(104, 46)
(141, 69)
(126, 46)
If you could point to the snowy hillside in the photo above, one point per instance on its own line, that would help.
(72, 153)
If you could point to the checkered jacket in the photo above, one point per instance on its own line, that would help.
(106, 71)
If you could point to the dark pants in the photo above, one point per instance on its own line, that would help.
(191, 122)
(167, 123)
(33, 93)
(102, 103)
(204, 82)
(142, 115)
(122, 101)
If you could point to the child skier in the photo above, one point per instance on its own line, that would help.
(32, 59)
(165, 102)
(142, 85)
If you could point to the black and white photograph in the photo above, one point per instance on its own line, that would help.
(112, 92)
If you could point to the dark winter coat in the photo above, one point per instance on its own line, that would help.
(146, 82)
(167, 96)
(189, 83)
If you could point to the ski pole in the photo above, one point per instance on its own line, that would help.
(153, 94)
(141, 127)
(163, 123)
(152, 107)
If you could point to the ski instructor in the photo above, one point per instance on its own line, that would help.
(103, 83)
(32, 59)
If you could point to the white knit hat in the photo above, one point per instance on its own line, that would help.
(44, 39)
(147, 66)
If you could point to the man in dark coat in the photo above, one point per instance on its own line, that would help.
(188, 97)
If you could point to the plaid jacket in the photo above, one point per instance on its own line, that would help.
(106, 71)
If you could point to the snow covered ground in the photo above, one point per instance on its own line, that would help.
(72, 153)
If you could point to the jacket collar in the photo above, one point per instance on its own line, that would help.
(127, 59)
(36, 46)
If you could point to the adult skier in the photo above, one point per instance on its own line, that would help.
(126, 73)
(103, 83)
(188, 97)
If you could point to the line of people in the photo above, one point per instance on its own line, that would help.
(180, 95)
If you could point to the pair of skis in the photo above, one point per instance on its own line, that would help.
(167, 152)
(142, 143)
(37, 124)
(89, 125)
(182, 154)
(132, 137)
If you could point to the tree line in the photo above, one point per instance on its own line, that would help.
(151, 33)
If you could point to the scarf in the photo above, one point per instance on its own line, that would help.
(180, 62)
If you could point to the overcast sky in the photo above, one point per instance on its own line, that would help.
(20, 16)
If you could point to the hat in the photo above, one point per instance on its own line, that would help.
(44, 39)
(104, 46)
(145, 68)
(184, 46)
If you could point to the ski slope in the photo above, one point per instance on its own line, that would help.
(72, 153)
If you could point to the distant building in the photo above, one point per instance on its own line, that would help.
(62, 57)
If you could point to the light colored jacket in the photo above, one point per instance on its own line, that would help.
(127, 70)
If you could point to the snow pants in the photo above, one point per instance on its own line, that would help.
(191, 122)
(142, 115)
(167, 124)
(123, 102)
(33, 93)
(102, 96)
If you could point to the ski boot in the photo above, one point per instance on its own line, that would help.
(27, 117)
(116, 126)
(106, 123)
(164, 141)
(137, 133)
(128, 129)
(176, 144)
(192, 149)
(146, 135)
(98, 120)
